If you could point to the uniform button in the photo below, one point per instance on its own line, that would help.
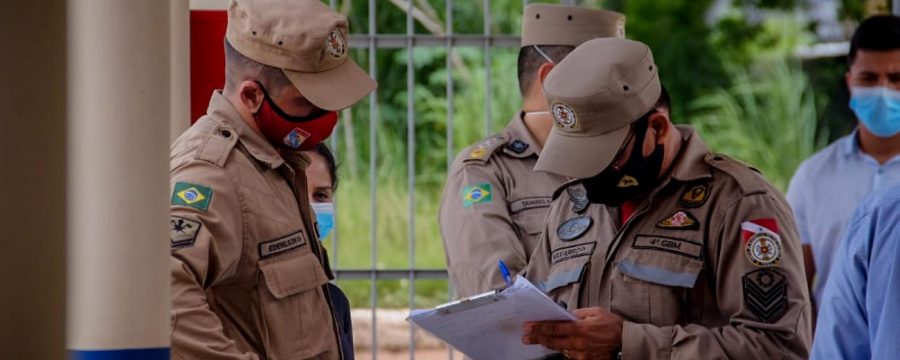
(226, 133)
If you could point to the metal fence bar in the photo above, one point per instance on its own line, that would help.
(488, 119)
(411, 165)
(373, 177)
(390, 274)
(451, 153)
(399, 41)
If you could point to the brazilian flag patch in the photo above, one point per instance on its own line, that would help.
(192, 195)
(477, 194)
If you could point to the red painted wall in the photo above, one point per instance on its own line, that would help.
(207, 57)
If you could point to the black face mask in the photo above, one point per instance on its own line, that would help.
(638, 176)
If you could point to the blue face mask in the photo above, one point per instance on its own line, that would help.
(324, 218)
(878, 109)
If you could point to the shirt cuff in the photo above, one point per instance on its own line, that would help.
(645, 341)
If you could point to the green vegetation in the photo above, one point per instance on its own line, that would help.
(734, 80)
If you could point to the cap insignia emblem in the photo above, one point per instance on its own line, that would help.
(564, 116)
(335, 44)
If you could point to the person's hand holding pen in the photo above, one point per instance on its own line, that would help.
(597, 334)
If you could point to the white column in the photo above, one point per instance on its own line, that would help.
(180, 63)
(119, 97)
(33, 179)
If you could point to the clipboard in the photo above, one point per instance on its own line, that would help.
(488, 326)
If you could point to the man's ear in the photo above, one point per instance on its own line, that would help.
(251, 95)
(660, 125)
(542, 73)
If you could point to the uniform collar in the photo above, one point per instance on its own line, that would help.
(690, 164)
(222, 110)
(517, 131)
(850, 144)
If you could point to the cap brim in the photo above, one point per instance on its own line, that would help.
(580, 157)
(334, 89)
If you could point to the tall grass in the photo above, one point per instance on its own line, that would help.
(767, 119)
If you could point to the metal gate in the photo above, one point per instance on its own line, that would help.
(372, 41)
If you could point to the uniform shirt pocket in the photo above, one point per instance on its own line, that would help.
(652, 286)
(564, 283)
(295, 312)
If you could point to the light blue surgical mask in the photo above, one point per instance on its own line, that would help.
(878, 109)
(324, 218)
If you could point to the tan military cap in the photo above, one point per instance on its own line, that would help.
(547, 24)
(307, 40)
(595, 94)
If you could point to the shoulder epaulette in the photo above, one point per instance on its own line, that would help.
(563, 187)
(218, 142)
(481, 152)
(749, 179)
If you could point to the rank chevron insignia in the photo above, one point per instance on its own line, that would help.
(765, 294)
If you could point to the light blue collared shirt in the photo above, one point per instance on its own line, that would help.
(826, 189)
(860, 313)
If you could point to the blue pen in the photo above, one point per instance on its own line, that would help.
(505, 272)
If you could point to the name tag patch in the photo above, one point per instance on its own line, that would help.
(670, 245)
(529, 203)
(281, 245)
(571, 252)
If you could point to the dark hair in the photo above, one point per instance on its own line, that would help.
(877, 33)
(330, 163)
(239, 68)
(663, 103)
(530, 60)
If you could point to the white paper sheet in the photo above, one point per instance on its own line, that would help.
(489, 326)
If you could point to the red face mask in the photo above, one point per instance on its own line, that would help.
(293, 132)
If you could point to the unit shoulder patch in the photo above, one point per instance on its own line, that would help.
(477, 194)
(762, 244)
(679, 220)
(183, 231)
(192, 195)
(765, 294)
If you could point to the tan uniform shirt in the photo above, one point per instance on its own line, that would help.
(708, 267)
(493, 208)
(247, 269)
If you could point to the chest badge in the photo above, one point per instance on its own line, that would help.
(574, 228)
(679, 220)
(762, 242)
(578, 197)
(695, 196)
